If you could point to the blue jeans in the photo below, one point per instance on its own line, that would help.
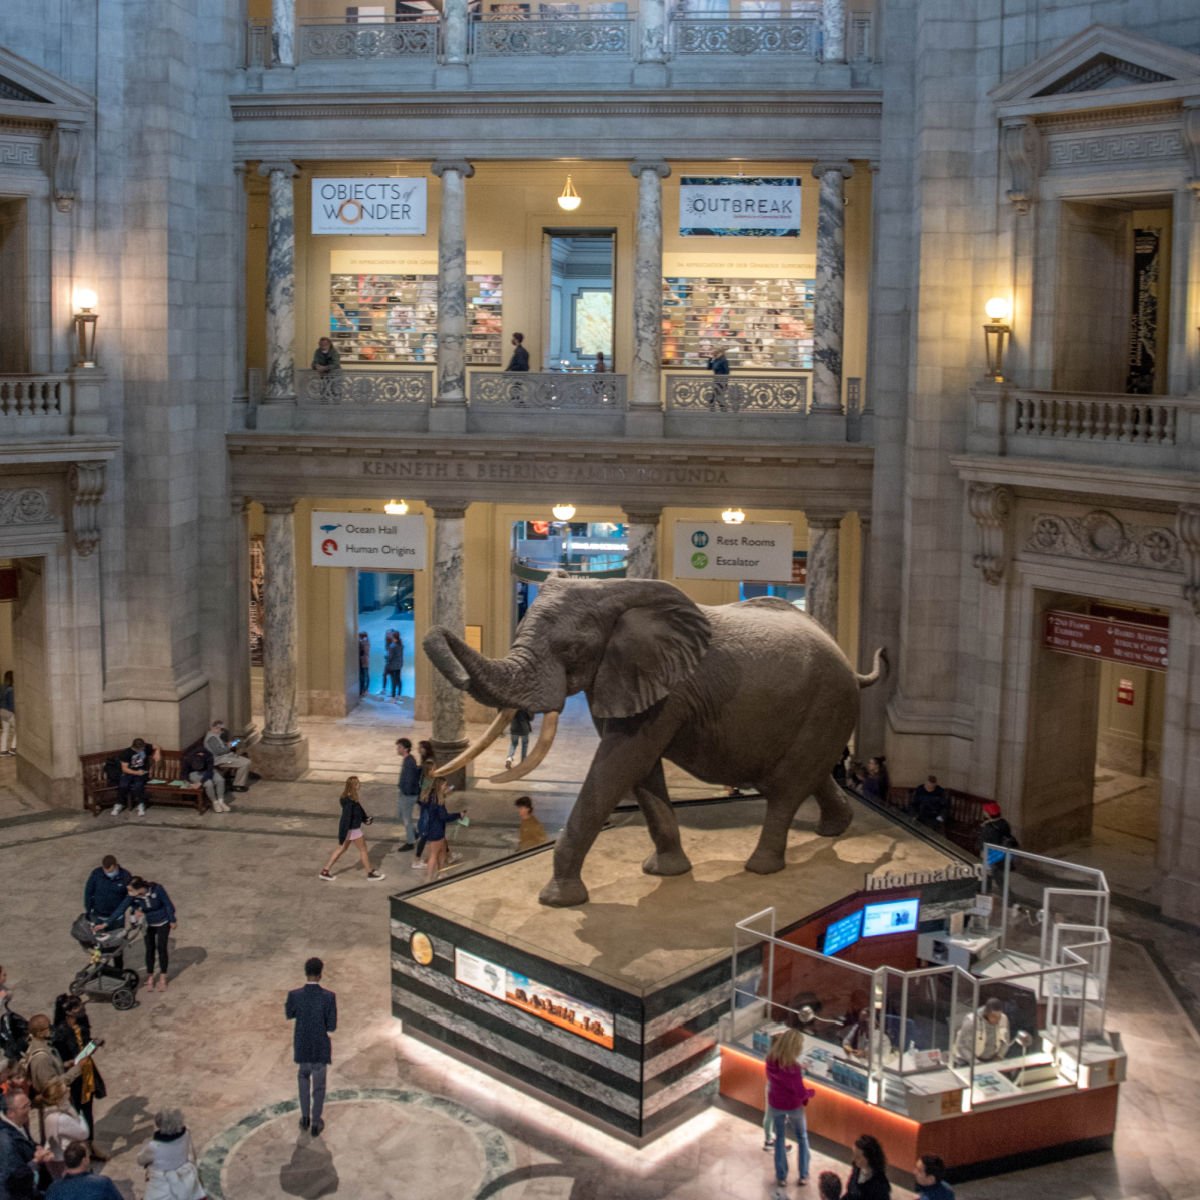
(407, 804)
(800, 1129)
(514, 738)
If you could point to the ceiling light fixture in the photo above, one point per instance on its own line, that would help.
(570, 199)
(563, 512)
(395, 508)
(733, 516)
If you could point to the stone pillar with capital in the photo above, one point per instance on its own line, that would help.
(239, 294)
(283, 33)
(652, 43)
(833, 31)
(645, 403)
(281, 282)
(452, 70)
(238, 708)
(823, 553)
(449, 413)
(283, 751)
(829, 301)
(449, 609)
(641, 535)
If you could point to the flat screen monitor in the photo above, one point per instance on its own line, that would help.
(895, 916)
(842, 933)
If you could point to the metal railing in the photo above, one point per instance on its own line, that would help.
(1096, 418)
(552, 36)
(326, 41)
(547, 391)
(32, 395)
(749, 394)
(796, 37)
(365, 388)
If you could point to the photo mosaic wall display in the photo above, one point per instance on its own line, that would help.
(764, 324)
(393, 318)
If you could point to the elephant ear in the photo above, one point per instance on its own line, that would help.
(658, 641)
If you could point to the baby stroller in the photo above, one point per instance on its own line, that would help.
(101, 979)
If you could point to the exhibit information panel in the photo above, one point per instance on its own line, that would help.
(714, 550)
(567, 1012)
(369, 540)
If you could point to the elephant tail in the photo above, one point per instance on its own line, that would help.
(878, 669)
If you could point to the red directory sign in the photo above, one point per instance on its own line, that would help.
(1112, 641)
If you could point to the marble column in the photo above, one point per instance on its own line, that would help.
(452, 298)
(283, 33)
(281, 282)
(829, 306)
(283, 751)
(641, 534)
(238, 316)
(454, 33)
(238, 709)
(645, 404)
(822, 588)
(652, 17)
(449, 606)
(833, 31)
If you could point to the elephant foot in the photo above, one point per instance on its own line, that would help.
(835, 819)
(563, 893)
(762, 862)
(667, 862)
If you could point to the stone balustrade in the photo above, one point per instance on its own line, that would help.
(33, 395)
(549, 391)
(552, 37)
(33, 406)
(365, 388)
(796, 37)
(738, 394)
(325, 41)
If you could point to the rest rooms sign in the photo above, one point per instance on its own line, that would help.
(739, 206)
(714, 550)
(1110, 641)
(368, 206)
(371, 541)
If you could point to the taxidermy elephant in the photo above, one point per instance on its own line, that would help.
(755, 692)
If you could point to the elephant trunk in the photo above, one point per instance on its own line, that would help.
(513, 682)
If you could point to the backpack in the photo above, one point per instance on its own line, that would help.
(112, 772)
(14, 1035)
(998, 832)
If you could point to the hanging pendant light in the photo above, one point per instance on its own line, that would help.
(570, 199)
(395, 508)
(563, 512)
(733, 516)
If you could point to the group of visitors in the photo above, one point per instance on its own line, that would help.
(112, 895)
(787, 1098)
(390, 681)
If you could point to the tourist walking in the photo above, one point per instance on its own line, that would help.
(393, 665)
(437, 819)
(787, 1098)
(868, 1179)
(409, 785)
(350, 832)
(314, 1009)
(518, 731)
(719, 366)
(170, 1160)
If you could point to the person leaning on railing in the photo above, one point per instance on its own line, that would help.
(326, 359)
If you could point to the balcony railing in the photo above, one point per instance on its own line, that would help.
(33, 395)
(796, 37)
(751, 394)
(1099, 418)
(548, 391)
(325, 41)
(365, 388)
(554, 37)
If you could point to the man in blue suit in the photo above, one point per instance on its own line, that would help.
(314, 1009)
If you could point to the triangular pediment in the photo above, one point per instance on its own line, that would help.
(28, 90)
(1125, 67)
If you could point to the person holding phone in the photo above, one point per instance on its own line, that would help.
(224, 758)
(350, 833)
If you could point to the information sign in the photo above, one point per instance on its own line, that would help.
(369, 206)
(714, 550)
(370, 541)
(1110, 641)
(739, 206)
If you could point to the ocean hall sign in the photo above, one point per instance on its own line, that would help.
(1105, 639)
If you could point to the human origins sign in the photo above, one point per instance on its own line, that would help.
(739, 206)
(714, 550)
(370, 541)
(1105, 639)
(368, 206)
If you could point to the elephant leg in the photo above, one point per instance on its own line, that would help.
(624, 758)
(785, 793)
(652, 798)
(836, 810)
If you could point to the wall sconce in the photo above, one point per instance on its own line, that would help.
(85, 327)
(733, 516)
(395, 508)
(563, 512)
(995, 332)
(570, 199)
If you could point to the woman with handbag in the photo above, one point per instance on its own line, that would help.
(73, 1031)
(787, 1097)
(350, 832)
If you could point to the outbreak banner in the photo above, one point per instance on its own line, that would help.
(714, 550)
(739, 206)
(371, 541)
(368, 206)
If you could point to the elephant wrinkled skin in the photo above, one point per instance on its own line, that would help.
(749, 693)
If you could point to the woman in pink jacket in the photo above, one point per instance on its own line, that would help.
(787, 1095)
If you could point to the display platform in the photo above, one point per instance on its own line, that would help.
(612, 1007)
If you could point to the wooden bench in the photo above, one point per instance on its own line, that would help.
(964, 814)
(98, 793)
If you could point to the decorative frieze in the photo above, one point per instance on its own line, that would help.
(19, 154)
(1102, 537)
(24, 506)
(991, 508)
(1101, 149)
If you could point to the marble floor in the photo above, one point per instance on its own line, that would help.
(404, 1119)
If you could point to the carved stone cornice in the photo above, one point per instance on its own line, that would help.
(24, 506)
(1099, 536)
(86, 482)
(1023, 150)
(844, 169)
(464, 168)
(26, 127)
(449, 510)
(642, 514)
(640, 166)
(284, 167)
(1187, 529)
(991, 507)
(1110, 118)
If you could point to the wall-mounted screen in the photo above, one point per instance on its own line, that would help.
(895, 916)
(843, 933)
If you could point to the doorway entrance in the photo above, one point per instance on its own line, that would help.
(385, 605)
(579, 298)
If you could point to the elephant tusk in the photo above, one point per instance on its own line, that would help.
(545, 741)
(494, 730)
